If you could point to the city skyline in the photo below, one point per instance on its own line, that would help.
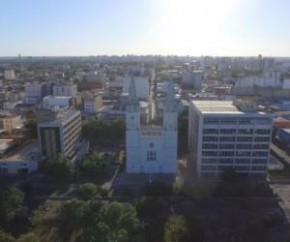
(174, 27)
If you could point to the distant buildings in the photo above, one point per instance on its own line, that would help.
(60, 133)
(64, 90)
(192, 79)
(34, 92)
(9, 75)
(92, 104)
(224, 135)
(51, 102)
(10, 122)
(271, 79)
(142, 86)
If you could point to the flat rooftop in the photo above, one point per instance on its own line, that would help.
(23, 152)
(216, 106)
(61, 115)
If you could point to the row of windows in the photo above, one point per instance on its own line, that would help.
(237, 153)
(234, 131)
(231, 120)
(151, 155)
(233, 139)
(233, 146)
(231, 161)
(237, 168)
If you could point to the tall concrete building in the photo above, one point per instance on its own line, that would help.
(35, 91)
(151, 148)
(192, 79)
(60, 134)
(92, 103)
(64, 90)
(9, 75)
(226, 134)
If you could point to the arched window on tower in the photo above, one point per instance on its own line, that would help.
(151, 155)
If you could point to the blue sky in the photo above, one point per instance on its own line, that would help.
(183, 27)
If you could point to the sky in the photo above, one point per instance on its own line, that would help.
(141, 27)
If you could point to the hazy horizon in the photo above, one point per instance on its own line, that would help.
(70, 28)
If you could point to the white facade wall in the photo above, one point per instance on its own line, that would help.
(286, 83)
(33, 89)
(151, 149)
(162, 144)
(229, 140)
(260, 81)
(51, 102)
(13, 167)
(9, 75)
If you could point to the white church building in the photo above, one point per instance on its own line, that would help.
(151, 148)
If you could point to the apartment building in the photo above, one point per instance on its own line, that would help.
(64, 90)
(34, 92)
(61, 134)
(227, 134)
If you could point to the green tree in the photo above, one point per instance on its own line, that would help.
(6, 237)
(58, 168)
(177, 186)
(119, 215)
(176, 229)
(29, 237)
(157, 188)
(12, 204)
(153, 213)
(45, 215)
(72, 215)
(31, 129)
(116, 222)
(88, 191)
(101, 132)
(94, 165)
(64, 221)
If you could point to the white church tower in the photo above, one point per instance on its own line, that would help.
(170, 111)
(132, 126)
(151, 149)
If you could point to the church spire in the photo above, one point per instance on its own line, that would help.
(132, 98)
(170, 101)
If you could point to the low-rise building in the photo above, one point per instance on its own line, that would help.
(52, 102)
(22, 162)
(11, 122)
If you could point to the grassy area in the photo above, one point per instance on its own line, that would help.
(279, 174)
